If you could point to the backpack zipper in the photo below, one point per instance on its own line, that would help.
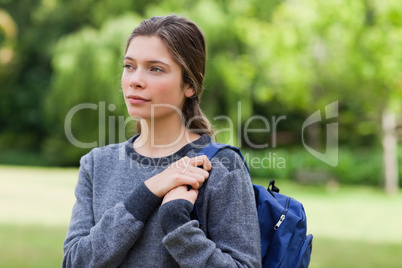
(279, 222)
(283, 216)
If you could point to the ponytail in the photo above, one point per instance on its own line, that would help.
(194, 118)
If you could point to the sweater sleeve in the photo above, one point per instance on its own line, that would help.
(106, 243)
(233, 238)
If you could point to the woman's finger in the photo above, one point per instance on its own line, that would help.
(200, 160)
(185, 179)
(196, 170)
(181, 192)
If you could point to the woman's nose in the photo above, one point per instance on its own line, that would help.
(137, 80)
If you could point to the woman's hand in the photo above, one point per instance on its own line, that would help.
(181, 192)
(181, 173)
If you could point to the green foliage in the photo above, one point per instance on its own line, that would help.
(363, 166)
(87, 67)
(275, 57)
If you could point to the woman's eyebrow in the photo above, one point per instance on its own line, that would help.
(157, 62)
(148, 61)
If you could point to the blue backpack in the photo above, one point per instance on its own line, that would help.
(282, 221)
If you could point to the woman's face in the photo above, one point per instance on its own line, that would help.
(152, 80)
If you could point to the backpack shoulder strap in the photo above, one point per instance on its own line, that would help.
(211, 149)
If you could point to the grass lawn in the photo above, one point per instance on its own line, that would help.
(31, 245)
(352, 226)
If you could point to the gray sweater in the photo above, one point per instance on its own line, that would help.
(117, 222)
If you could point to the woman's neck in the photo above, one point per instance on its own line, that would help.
(162, 138)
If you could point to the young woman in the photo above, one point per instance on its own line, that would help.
(133, 207)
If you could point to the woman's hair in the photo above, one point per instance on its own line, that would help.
(186, 43)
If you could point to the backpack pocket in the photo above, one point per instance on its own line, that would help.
(305, 252)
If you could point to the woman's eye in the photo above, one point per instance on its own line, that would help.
(127, 66)
(156, 69)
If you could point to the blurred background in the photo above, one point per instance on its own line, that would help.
(279, 60)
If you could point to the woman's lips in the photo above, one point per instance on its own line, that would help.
(134, 99)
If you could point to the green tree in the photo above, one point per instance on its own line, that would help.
(85, 103)
(339, 50)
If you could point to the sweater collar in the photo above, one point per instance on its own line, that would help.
(195, 146)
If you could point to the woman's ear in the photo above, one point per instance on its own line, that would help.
(189, 91)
